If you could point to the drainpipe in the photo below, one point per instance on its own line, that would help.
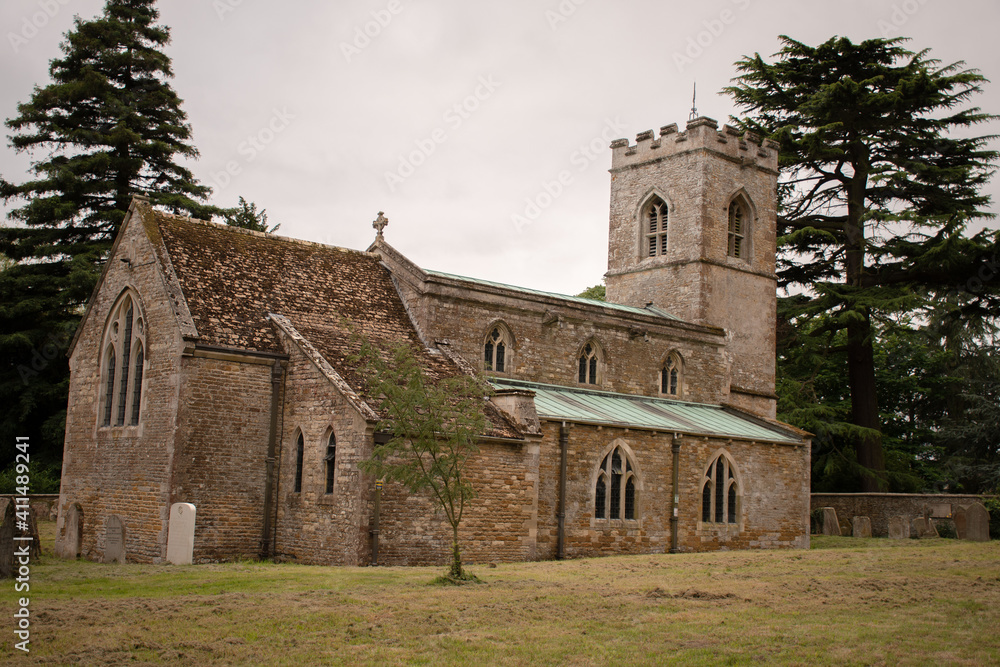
(675, 448)
(277, 375)
(561, 532)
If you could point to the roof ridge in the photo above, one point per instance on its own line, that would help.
(252, 232)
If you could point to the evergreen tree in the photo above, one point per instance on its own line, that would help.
(108, 126)
(875, 196)
(246, 216)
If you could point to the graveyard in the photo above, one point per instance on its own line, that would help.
(846, 600)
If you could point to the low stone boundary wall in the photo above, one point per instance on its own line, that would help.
(880, 506)
(46, 505)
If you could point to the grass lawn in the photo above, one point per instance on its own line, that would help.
(845, 601)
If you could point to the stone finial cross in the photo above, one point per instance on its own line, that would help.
(380, 222)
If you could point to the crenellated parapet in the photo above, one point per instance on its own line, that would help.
(748, 149)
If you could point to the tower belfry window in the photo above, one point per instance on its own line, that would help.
(737, 230)
(656, 227)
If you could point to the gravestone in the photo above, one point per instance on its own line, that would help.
(71, 545)
(973, 523)
(830, 524)
(114, 540)
(15, 539)
(862, 526)
(923, 527)
(180, 534)
(899, 528)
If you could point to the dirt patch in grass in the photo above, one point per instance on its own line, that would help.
(845, 601)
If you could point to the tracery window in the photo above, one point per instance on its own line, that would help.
(590, 362)
(123, 364)
(720, 492)
(614, 491)
(670, 375)
(331, 462)
(738, 220)
(497, 349)
(655, 221)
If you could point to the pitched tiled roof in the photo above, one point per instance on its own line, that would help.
(232, 279)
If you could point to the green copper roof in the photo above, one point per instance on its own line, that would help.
(555, 402)
(576, 299)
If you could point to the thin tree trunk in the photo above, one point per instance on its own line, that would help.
(456, 556)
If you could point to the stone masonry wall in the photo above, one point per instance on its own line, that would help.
(221, 454)
(499, 524)
(634, 349)
(123, 470)
(313, 526)
(774, 508)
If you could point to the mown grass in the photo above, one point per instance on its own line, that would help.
(845, 601)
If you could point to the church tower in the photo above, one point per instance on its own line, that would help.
(692, 231)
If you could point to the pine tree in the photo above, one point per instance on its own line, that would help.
(108, 126)
(246, 216)
(876, 192)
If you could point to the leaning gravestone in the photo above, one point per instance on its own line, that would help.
(830, 524)
(71, 544)
(973, 523)
(899, 528)
(862, 526)
(180, 534)
(114, 540)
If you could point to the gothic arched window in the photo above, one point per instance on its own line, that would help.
(300, 447)
(739, 219)
(615, 488)
(720, 492)
(124, 361)
(655, 225)
(497, 349)
(671, 375)
(590, 362)
(331, 462)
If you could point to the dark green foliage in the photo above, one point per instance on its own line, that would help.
(246, 216)
(874, 198)
(597, 292)
(433, 427)
(107, 127)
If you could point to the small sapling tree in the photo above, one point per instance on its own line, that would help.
(433, 426)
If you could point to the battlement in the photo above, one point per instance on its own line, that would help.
(700, 134)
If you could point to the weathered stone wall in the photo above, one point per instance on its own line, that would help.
(698, 173)
(499, 525)
(549, 334)
(312, 525)
(220, 466)
(879, 507)
(774, 509)
(123, 470)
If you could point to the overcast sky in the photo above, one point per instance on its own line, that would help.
(452, 116)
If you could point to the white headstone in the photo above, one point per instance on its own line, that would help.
(180, 534)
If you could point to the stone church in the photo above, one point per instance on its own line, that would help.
(212, 367)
